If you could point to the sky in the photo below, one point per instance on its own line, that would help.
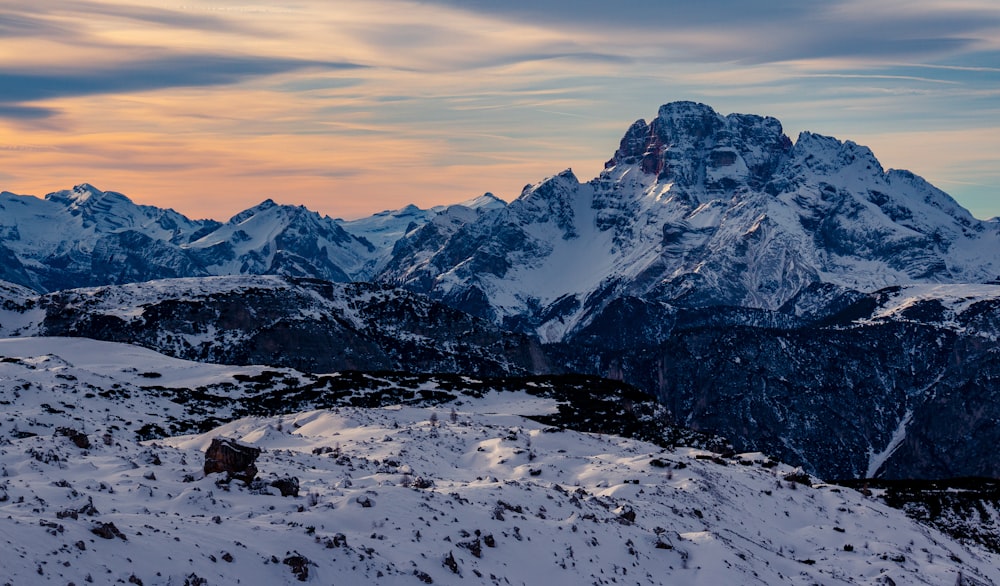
(353, 107)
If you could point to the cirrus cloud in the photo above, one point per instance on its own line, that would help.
(352, 107)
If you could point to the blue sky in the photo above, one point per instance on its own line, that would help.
(352, 107)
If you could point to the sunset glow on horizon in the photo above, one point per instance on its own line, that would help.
(349, 108)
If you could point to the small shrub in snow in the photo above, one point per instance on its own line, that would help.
(107, 531)
(299, 566)
(450, 563)
(475, 547)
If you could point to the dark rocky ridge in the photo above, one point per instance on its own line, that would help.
(827, 390)
(306, 324)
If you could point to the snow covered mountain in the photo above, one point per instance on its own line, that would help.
(272, 239)
(88, 237)
(699, 209)
(694, 209)
(85, 236)
(467, 488)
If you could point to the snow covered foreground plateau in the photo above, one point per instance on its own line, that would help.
(467, 492)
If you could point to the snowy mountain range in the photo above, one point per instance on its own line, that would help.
(700, 226)
(694, 209)
(87, 237)
(750, 293)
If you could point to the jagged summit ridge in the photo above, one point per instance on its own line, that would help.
(700, 209)
(688, 143)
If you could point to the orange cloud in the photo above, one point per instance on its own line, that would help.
(352, 107)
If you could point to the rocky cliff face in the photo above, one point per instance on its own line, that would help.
(898, 383)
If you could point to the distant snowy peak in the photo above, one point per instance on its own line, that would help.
(485, 201)
(52, 243)
(76, 196)
(262, 207)
(110, 211)
(279, 239)
(87, 237)
(384, 229)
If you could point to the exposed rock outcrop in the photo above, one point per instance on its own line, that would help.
(227, 456)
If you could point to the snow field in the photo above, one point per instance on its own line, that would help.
(468, 492)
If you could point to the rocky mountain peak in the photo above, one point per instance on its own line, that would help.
(246, 214)
(684, 121)
(826, 155)
(633, 146)
(78, 194)
(700, 209)
(692, 145)
(87, 199)
(549, 200)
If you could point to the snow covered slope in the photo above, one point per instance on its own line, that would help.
(972, 309)
(466, 492)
